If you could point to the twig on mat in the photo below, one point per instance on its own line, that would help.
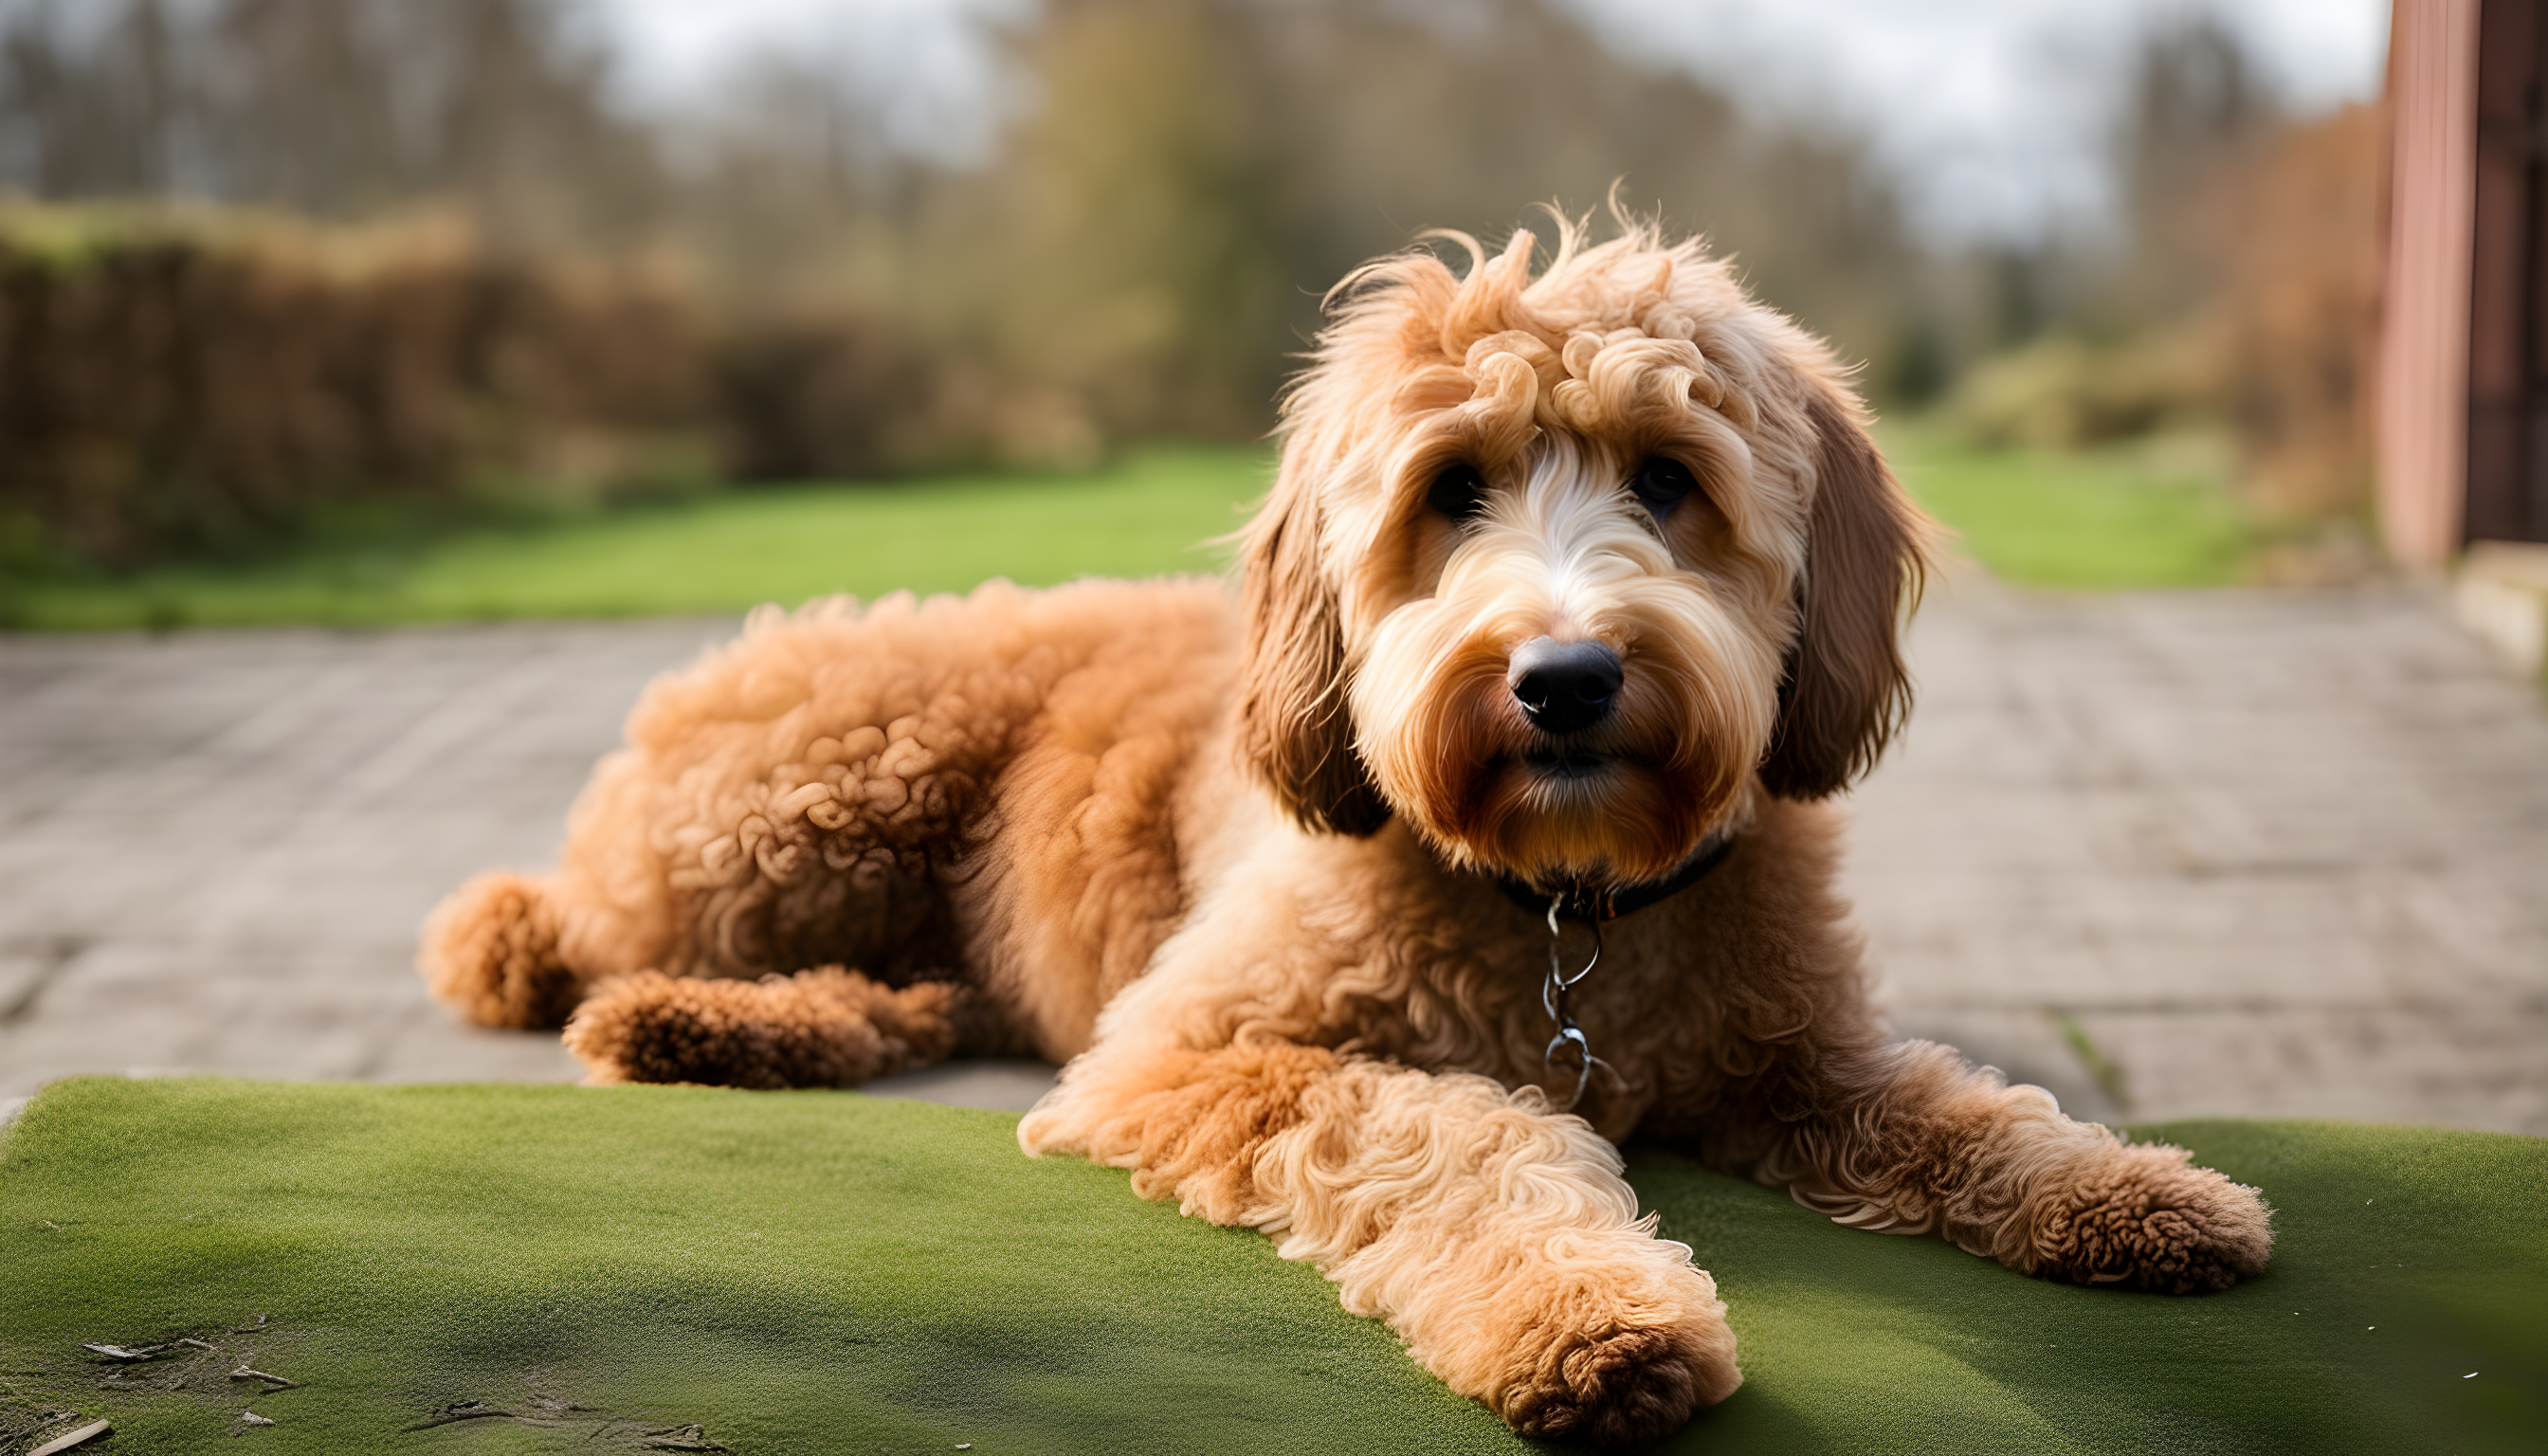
(691, 1438)
(70, 1438)
(460, 1411)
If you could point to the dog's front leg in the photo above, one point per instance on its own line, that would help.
(1496, 1238)
(1911, 1139)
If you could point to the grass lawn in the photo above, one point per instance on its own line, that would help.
(1151, 512)
(2130, 515)
(2108, 520)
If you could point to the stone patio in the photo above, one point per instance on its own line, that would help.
(2252, 853)
(2242, 853)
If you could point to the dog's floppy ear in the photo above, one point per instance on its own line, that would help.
(1866, 555)
(1294, 725)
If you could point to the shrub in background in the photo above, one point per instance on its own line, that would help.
(189, 383)
(2062, 393)
(194, 383)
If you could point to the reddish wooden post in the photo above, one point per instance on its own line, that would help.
(2423, 401)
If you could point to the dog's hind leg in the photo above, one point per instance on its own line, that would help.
(827, 1028)
(490, 951)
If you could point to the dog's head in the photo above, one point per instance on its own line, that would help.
(1557, 567)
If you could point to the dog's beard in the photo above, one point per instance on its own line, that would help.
(1624, 801)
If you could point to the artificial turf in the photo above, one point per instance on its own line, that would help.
(826, 1273)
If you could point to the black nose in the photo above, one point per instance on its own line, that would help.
(1564, 687)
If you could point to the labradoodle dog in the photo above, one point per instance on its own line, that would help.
(1575, 601)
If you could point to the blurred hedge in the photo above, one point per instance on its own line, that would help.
(181, 384)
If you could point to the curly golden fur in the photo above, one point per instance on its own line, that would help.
(1238, 863)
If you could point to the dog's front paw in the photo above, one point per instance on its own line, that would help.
(2147, 1217)
(1597, 1362)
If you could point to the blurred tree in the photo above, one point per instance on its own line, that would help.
(2293, 315)
(92, 97)
(1430, 113)
(2199, 111)
(2240, 294)
(1141, 235)
(340, 107)
(1176, 184)
(1157, 232)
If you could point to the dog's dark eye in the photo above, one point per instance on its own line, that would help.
(1458, 492)
(1660, 483)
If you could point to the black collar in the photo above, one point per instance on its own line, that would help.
(1599, 904)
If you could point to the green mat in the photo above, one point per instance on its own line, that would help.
(629, 1269)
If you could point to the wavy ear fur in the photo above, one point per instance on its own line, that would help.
(1293, 722)
(1846, 690)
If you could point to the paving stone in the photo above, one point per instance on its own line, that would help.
(2236, 853)
(2259, 853)
(216, 847)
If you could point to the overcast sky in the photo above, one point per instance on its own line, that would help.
(1990, 113)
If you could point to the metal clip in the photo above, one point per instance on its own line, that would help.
(1554, 994)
